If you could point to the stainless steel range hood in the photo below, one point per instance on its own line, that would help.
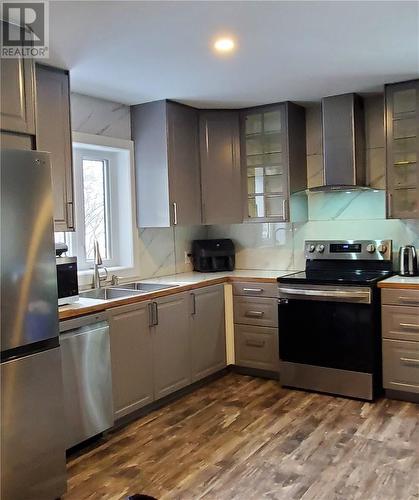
(343, 143)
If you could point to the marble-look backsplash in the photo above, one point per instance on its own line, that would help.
(359, 215)
(100, 117)
(162, 250)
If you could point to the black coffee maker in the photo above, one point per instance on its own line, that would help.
(210, 256)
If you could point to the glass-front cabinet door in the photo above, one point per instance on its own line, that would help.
(402, 131)
(265, 163)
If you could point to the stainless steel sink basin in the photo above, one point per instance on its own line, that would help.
(143, 287)
(108, 293)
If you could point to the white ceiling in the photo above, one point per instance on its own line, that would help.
(135, 51)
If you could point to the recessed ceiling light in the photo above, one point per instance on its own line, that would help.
(224, 45)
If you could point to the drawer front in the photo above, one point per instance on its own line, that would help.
(400, 323)
(400, 297)
(256, 347)
(401, 365)
(256, 289)
(256, 311)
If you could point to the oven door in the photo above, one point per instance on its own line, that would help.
(327, 326)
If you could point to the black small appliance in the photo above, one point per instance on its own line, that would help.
(67, 279)
(209, 256)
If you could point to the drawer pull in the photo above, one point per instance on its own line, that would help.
(410, 300)
(410, 361)
(410, 326)
(253, 290)
(254, 314)
(255, 343)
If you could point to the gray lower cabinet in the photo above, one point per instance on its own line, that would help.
(400, 332)
(165, 136)
(17, 96)
(53, 134)
(161, 346)
(221, 180)
(171, 344)
(256, 347)
(131, 357)
(208, 342)
(258, 311)
(401, 365)
(256, 326)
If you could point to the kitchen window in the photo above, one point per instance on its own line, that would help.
(104, 203)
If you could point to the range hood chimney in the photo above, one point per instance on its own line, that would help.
(343, 143)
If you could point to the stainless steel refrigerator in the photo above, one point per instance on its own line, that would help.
(32, 419)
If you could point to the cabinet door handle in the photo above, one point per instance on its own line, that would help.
(174, 213)
(389, 203)
(253, 290)
(150, 314)
(285, 209)
(410, 326)
(156, 314)
(254, 314)
(410, 361)
(255, 343)
(70, 214)
(410, 300)
(193, 304)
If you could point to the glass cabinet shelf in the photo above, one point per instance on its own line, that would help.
(402, 148)
(266, 155)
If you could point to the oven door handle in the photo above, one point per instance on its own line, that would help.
(362, 296)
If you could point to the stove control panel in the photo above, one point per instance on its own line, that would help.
(348, 249)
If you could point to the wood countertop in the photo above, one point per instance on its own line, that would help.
(182, 282)
(404, 282)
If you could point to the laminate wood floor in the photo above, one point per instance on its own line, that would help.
(247, 438)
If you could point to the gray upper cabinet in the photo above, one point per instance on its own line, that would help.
(402, 149)
(221, 180)
(9, 140)
(171, 346)
(273, 160)
(131, 356)
(17, 96)
(53, 134)
(165, 135)
(208, 343)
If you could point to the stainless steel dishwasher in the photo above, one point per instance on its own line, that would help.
(86, 362)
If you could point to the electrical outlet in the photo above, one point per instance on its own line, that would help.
(187, 258)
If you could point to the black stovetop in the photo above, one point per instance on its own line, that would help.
(328, 277)
(335, 272)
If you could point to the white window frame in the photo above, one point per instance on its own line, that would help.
(79, 155)
(119, 154)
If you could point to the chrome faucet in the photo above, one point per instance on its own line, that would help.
(97, 279)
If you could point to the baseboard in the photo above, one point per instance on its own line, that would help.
(254, 372)
(411, 397)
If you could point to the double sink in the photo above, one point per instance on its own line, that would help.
(124, 290)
